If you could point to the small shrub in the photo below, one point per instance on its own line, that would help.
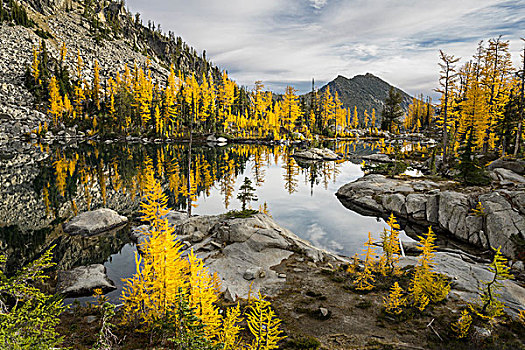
(489, 307)
(241, 214)
(395, 301)
(28, 317)
(462, 325)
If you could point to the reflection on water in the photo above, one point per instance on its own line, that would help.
(68, 180)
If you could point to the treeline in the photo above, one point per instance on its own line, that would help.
(420, 115)
(131, 102)
(195, 98)
(482, 101)
(326, 115)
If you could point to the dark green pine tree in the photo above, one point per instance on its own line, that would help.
(3, 13)
(508, 125)
(246, 193)
(184, 329)
(470, 172)
(392, 110)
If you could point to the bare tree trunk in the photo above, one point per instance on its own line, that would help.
(445, 122)
(189, 173)
(522, 106)
(189, 162)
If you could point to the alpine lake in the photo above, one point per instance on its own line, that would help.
(46, 184)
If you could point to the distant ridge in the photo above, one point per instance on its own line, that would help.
(364, 92)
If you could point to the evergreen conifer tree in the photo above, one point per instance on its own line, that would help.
(392, 110)
(246, 194)
(469, 170)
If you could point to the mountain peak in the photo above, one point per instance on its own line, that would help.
(366, 92)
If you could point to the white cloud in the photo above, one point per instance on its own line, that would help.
(291, 41)
(318, 4)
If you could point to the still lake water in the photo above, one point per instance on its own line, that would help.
(300, 197)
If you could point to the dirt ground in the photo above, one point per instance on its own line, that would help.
(350, 321)
(357, 321)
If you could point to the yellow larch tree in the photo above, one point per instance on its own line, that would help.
(395, 301)
(489, 305)
(355, 119)
(462, 325)
(207, 92)
(366, 119)
(55, 101)
(365, 278)
(391, 249)
(229, 335)
(161, 276)
(497, 77)
(159, 123)
(203, 292)
(96, 86)
(327, 108)
(263, 325)
(143, 95)
(67, 106)
(427, 286)
(35, 71)
(225, 96)
(473, 107)
(340, 116)
(290, 109)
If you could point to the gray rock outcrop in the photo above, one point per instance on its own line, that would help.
(442, 206)
(243, 251)
(83, 280)
(378, 157)
(317, 154)
(508, 177)
(515, 165)
(90, 223)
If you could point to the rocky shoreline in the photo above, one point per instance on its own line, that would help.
(246, 254)
(309, 287)
(447, 207)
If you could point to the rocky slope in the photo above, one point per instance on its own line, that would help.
(446, 207)
(17, 115)
(107, 33)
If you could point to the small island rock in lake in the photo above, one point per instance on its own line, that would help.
(83, 280)
(93, 222)
(316, 154)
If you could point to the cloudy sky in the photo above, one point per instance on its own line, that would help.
(289, 42)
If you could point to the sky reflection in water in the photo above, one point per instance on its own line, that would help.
(313, 213)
